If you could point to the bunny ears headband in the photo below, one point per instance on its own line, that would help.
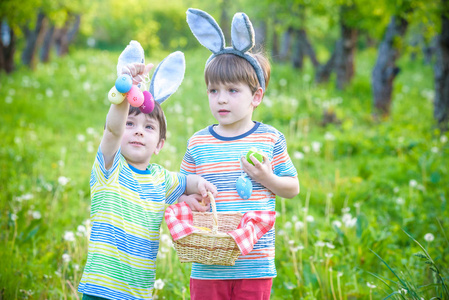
(165, 81)
(209, 34)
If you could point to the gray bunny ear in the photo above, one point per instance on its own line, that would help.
(168, 76)
(133, 53)
(242, 33)
(206, 30)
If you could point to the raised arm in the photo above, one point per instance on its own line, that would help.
(117, 116)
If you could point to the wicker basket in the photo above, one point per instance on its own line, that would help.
(213, 247)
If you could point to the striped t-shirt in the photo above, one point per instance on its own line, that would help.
(216, 158)
(126, 214)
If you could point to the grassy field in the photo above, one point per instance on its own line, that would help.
(365, 184)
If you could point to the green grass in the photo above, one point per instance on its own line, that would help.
(362, 181)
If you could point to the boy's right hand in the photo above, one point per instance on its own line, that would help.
(137, 71)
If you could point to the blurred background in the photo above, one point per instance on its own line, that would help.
(359, 88)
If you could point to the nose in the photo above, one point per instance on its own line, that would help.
(221, 98)
(138, 131)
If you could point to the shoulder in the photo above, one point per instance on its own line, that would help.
(200, 136)
(268, 130)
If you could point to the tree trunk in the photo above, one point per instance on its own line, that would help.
(7, 48)
(66, 35)
(323, 72)
(48, 42)
(275, 44)
(261, 34)
(224, 20)
(308, 48)
(284, 52)
(385, 69)
(344, 55)
(31, 37)
(298, 50)
(441, 71)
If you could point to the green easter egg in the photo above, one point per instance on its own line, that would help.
(256, 153)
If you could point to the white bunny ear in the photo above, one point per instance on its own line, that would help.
(206, 30)
(133, 53)
(168, 76)
(242, 33)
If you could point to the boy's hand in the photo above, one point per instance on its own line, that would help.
(137, 71)
(205, 186)
(261, 171)
(195, 202)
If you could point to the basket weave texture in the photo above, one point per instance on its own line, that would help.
(213, 247)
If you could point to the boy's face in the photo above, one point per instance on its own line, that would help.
(140, 140)
(232, 104)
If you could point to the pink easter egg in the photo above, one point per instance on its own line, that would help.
(135, 96)
(148, 103)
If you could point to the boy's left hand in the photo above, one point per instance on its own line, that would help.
(261, 171)
(205, 186)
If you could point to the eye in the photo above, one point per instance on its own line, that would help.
(150, 127)
(129, 123)
(233, 91)
(212, 91)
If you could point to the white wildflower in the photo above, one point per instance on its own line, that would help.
(306, 149)
(328, 255)
(69, 236)
(320, 244)
(413, 183)
(298, 155)
(396, 190)
(443, 139)
(66, 257)
(62, 180)
(159, 284)
(370, 285)
(345, 210)
(400, 201)
(330, 245)
(36, 215)
(316, 147)
(329, 136)
(283, 82)
(434, 149)
(90, 131)
(336, 223)
(288, 225)
(81, 137)
(429, 237)
(14, 217)
(310, 219)
(299, 225)
(81, 230)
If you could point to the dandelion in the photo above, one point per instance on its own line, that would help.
(14, 217)
(336, 223)
(66, 257)
(370, 285)
(8, 99)
(402, 291)
(328, 255)
(329, 136)
(306, 149)
(320, 244)
(443, 139)
(396, 190)
(281, 232)
(65, 93)
(299, 225)
(400, 201)
(90, 131)
(36, 215)
(288, 225)
(310, 219)
(294, 218)
(348, 220)
(429, 237)
(62, 180)
(283, 82)
(159, 284)
(81, 230)
(345, 210)
(297, 248)
(330, 245)
(69, 236)
(81, 138)
(90, 147)
(86, 86)
(413, 183)
(434, 149)
(316, 147)
(298, 155)
(49, 93)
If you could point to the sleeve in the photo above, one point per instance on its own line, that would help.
(188, 165)
(99, 173)
(175, 186)
(282, 164)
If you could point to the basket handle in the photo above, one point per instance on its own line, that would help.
(214, 211)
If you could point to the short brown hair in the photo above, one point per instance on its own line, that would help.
(157, 114)
(230, 68)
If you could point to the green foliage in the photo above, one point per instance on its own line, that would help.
(362, 181)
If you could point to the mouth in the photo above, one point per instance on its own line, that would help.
(223, 112)
(136, 143)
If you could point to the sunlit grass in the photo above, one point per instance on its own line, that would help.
(362, 181)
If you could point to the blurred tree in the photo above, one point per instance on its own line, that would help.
(441, 70)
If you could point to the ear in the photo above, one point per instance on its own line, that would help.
(242, 33)
(133, 53)
(159, 147)
(206, 30)
(168, 76)
(257, 97)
